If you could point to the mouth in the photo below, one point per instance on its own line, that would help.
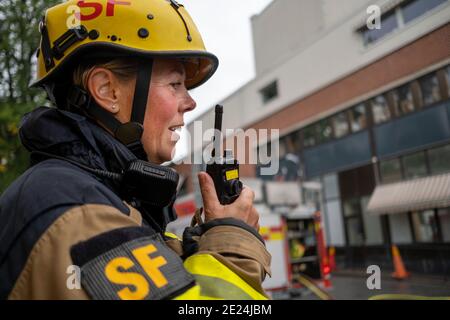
(176, 132)
(176, 128)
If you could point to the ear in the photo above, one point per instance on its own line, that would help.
(103, 86)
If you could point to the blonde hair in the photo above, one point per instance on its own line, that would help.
(124, 69)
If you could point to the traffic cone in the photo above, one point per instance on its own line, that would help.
(400, 272)
(327, 282)
(331, 259)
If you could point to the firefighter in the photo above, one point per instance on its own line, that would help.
(118, 74)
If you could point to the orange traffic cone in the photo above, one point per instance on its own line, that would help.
(400, 272)
(331, 259)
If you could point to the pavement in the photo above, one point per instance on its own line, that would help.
(352, 285)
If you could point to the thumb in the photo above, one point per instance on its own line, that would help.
(208, 190)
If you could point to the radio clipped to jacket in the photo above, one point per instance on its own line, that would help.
(152, 183)
(224, 170)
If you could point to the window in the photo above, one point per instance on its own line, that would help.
(380, 110)
(341, 125)
(331, 187)
(430, 89)
(336, 225)
(425, 226)
(358, 119)
(400, 228)
(352, 214)
(372, 224)
(324, 130)
(415, 165)
(351, 207)
(416, 8)
(270, 92)
(282, 147)
(391, 171)
(439, 159)
(448, 79)
(309, 136)
(388, 23)
(355, 231)
(403, 100)
(357, 182)
(293, 143)
(288, 168)
(310, 196)
(444, 219)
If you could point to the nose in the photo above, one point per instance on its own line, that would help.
(188, 104)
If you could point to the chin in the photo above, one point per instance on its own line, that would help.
(159, 155)
(167, 155)
(170, 157)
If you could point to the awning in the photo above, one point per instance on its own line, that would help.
(418, 194)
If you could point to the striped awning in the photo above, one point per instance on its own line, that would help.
(418, 194)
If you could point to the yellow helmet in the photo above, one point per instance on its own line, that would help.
(108, 28)
(75, 31)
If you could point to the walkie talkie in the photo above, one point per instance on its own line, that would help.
(223, 170)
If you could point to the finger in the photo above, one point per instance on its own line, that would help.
(208, 190)
(246, 197)
(245, 187)
(253, 219)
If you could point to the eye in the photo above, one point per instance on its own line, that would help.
(176, 85)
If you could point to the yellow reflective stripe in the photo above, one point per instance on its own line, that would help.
(194, 294)
(220, 288)
(171, 235)
(191, 294)
(208, 266)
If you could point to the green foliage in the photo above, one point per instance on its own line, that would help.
(19, 39)
(13, 156)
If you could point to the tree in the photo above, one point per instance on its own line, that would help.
(19, 39)
(13, 156)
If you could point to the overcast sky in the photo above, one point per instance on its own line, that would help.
(226, 30)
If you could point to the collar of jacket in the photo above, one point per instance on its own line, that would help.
(73, 136)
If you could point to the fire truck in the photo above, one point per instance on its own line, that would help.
(304, 257)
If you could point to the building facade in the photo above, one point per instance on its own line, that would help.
(359, 110)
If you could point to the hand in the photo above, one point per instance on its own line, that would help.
(242, 208)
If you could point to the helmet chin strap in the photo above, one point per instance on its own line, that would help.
(129, 133)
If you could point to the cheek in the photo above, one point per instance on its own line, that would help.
(160, 113)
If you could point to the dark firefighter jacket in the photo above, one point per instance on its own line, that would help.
(65, 233)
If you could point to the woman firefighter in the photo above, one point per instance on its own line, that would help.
(95, 198)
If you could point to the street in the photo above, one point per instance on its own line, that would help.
(351, 285)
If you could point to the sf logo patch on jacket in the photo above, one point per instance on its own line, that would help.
(130, 263)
